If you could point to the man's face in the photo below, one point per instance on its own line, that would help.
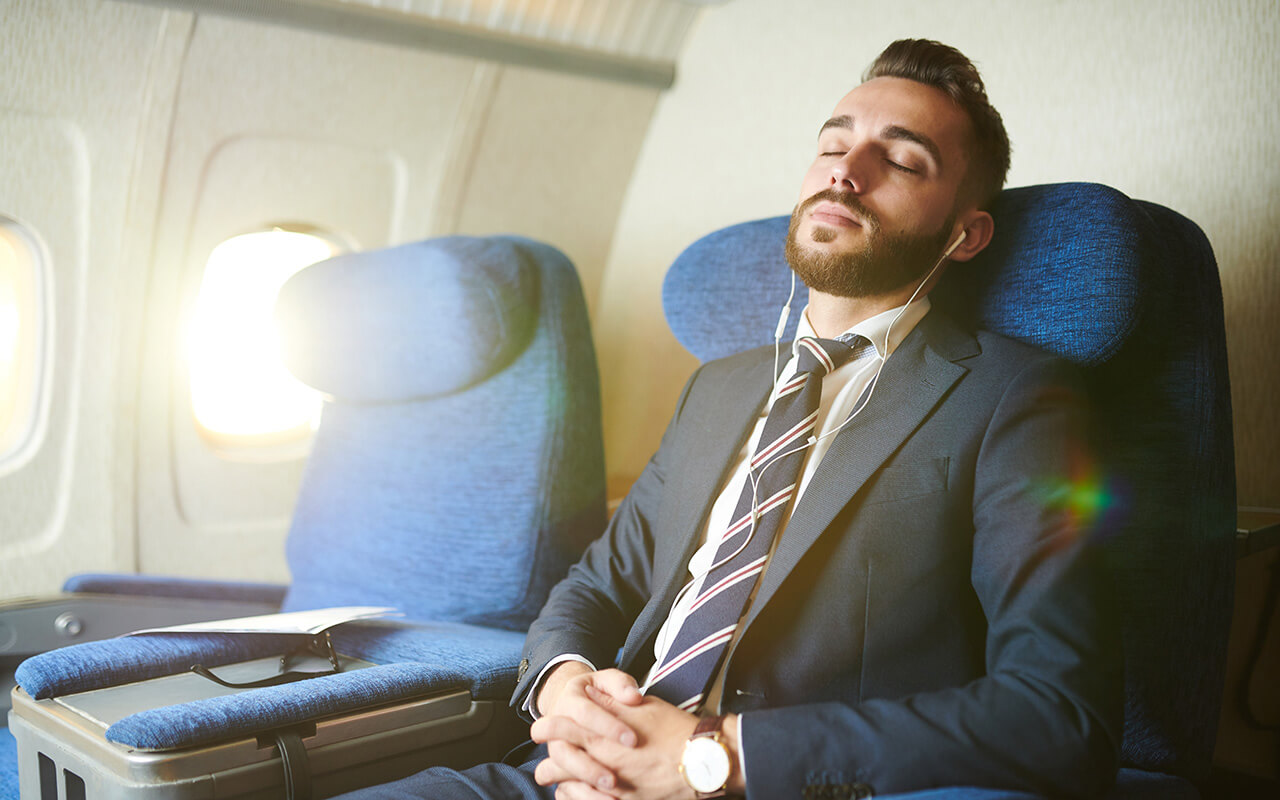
(878, 205)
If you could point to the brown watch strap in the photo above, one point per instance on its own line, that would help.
(708, 724)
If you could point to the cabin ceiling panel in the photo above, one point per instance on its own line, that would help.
(634, 41)
(643, 28)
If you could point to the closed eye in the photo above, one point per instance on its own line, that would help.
(901, 167)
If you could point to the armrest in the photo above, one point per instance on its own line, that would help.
(31, 626)
(164, 586)
(1257, 529)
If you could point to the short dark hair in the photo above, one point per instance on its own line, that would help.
(947, 69)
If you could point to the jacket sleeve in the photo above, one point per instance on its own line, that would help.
(590, 612)
(1046, 715)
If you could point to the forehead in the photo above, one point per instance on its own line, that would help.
(881, 103)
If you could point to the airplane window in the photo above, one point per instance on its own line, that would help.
(20, 327)
(241, 394)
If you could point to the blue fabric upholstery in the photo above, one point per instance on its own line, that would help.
(447, 504)
(164, 586)
(414, 321)
(1165, 442)
(422, 659)
(1130, 291)
(235, 715)
(415, 658)
(457, 472)
(109, 662)
(723, 293)
(8, 765)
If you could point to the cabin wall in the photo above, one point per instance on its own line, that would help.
(1169, 101)
(133, 139)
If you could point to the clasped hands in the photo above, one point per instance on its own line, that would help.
(605, 740)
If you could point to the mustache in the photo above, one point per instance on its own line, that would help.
(845, 199)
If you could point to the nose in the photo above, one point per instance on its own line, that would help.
(848, 172)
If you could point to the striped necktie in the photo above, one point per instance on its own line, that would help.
(695, 653)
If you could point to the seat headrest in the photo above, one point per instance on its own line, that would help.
(1062, 272)
(413, 321)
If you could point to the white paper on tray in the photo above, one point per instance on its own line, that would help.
(304, 622)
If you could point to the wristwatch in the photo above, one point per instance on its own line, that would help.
(706, 762)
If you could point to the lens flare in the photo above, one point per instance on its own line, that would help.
(239, 386)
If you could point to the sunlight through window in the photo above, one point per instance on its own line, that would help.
(240, 391)
(19, 340)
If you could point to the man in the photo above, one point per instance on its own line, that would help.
(918, 610)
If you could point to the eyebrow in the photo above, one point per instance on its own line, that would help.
(890, 132)
(842, 121)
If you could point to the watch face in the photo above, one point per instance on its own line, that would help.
(706, 764)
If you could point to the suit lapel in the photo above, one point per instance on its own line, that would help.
(723, 427)
(913, 381)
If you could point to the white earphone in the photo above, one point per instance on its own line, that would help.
(959, 240)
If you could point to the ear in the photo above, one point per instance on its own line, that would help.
(978, 227)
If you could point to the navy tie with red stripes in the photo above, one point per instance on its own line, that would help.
(696, 651)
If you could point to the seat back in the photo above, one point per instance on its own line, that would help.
(458, 468)
(1129, 291)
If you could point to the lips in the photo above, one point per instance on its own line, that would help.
(831, 213)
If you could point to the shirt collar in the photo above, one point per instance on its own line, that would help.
(877, 328)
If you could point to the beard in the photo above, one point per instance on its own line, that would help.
(883, 264)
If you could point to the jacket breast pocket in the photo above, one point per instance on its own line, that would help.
(912, 479)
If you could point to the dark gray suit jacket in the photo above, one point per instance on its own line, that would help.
(933, 614)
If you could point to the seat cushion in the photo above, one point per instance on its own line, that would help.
(470, 505)
(413, 321)
(8, 765)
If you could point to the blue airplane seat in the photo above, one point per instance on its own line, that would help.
(456, 473)
(1128, 290)
(8, 765)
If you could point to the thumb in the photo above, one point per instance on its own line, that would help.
(618, 685)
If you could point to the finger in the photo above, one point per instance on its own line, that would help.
(557, 727)
(576, 790)
(597, 718)
(619, 685)
(568, 729)
(566, 762)
(592, 714)
(548, 772)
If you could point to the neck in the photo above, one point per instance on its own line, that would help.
(831, 316)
